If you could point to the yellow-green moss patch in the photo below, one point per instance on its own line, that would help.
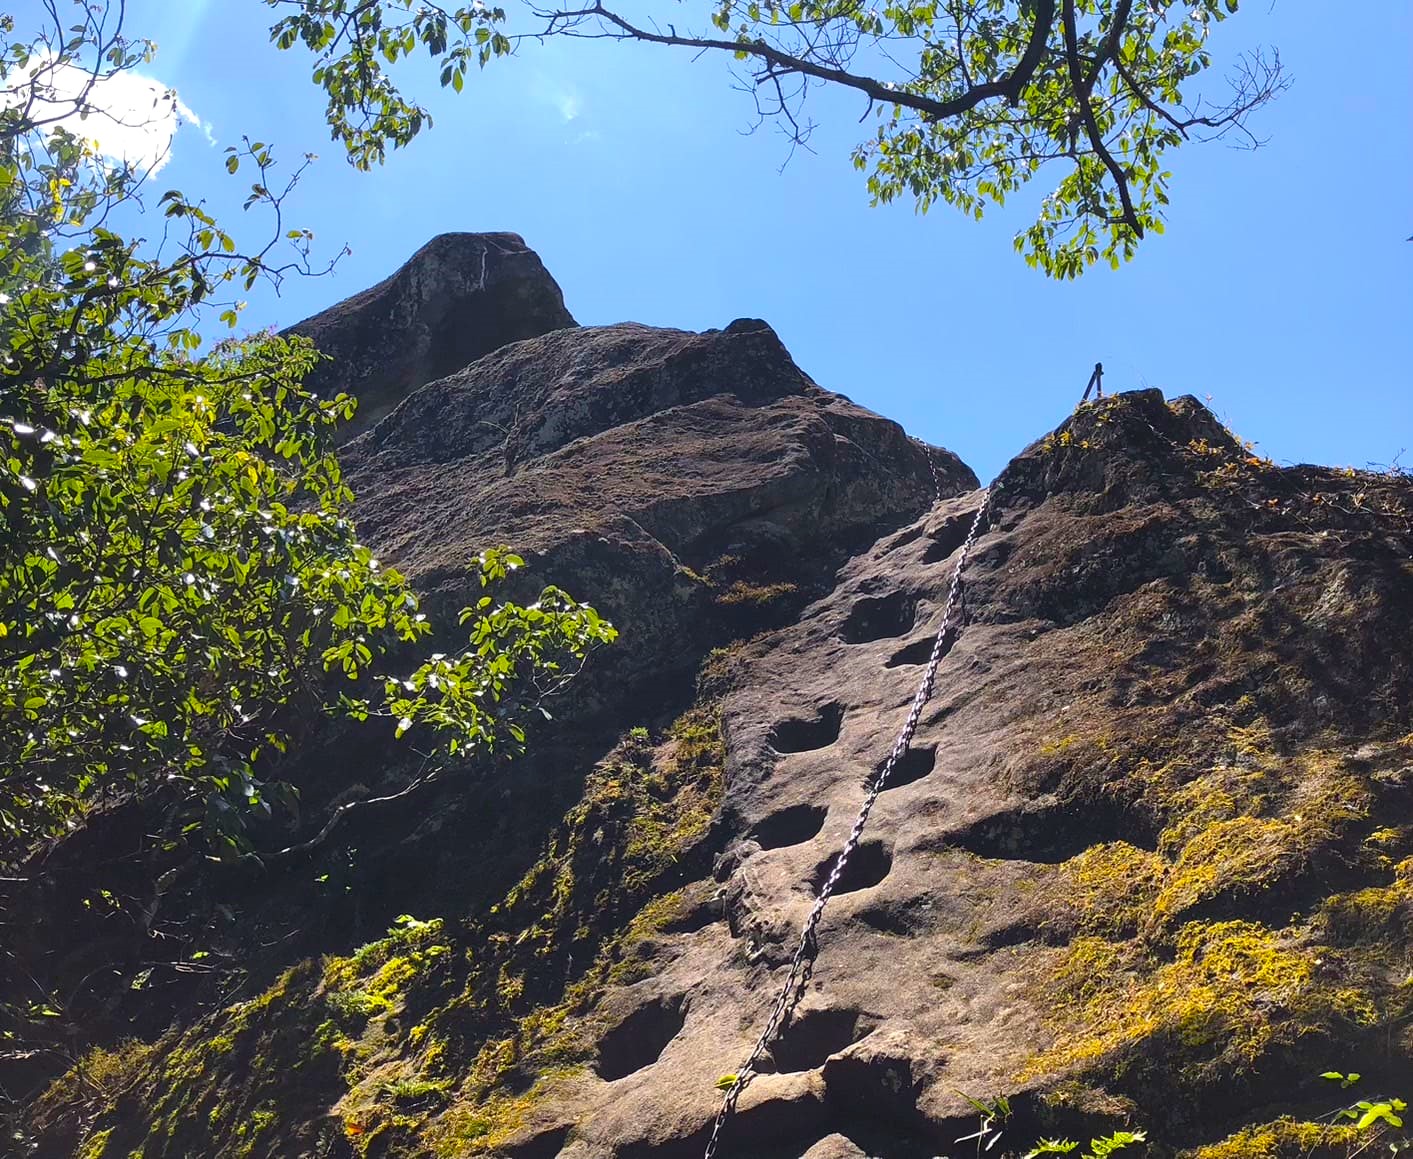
(1380, 914)
(373, 980)
(95, 1146)
(1284, 1139)
(488, 1125)
(1231, 989)
(1111, 888)
(1240, 855)
(741, 594)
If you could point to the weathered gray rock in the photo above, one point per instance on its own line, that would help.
(688, 481)
(460, 296)
(834, 1147)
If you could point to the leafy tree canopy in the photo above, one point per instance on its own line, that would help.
(970, 100)
(180, 576)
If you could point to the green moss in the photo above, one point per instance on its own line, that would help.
(1380, 914)
(743, 594)
(221, 1087)
(1070, 1095)
(486, 1035)
(1243, 828)
(415, 1089)
(691, 769)
(594, 895)
(249, 1136)
(1111, 889)
(1063, 441)
(1284, 1139)
(490, 1124)
(110, 1071)
(1240, 855)
(644, 808)
(410, 941)
(373, 980)
(1233, 832)
(1231, 990)
(695, 576)
(273, 995)
(95, 1146)
(1071, 743)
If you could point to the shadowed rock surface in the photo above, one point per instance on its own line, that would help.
(1150, 863)
(460, 296)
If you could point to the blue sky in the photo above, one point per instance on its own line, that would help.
(1281, 289)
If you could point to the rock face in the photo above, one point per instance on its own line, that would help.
(693, 482)
(1149, 863)
(460, 296)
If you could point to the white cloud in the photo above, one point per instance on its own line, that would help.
(131, 118)
(561, 96)
(569, 105)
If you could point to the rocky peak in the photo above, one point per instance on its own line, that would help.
(689, 480)
(530, 399)
(1128, 448)
(460, 296)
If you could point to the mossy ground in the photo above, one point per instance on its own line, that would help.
(1243, 918)
(602, 892)
(1289, 1139)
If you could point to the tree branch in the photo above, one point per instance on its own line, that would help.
(1009, 87)
(339, 815)
(1082, 89)
(1253, 91)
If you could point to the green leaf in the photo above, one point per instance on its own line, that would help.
(1375, 1113)
(1052, 1147)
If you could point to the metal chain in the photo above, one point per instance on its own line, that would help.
(801, 966)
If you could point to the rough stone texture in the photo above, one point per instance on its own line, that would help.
(833, 1147)
(460, 296)
(1124, 607)
(657, 469)
(1149, 863)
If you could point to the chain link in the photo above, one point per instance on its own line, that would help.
(802, 964)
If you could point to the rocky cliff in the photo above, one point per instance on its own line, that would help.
(460, 296)
(1149, 862)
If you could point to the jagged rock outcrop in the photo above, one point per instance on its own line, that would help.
(697, 484)
(460, 296)
(1148, 863)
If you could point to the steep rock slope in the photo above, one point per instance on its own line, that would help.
(460, 296)
(694, 483)
(1150, 860)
